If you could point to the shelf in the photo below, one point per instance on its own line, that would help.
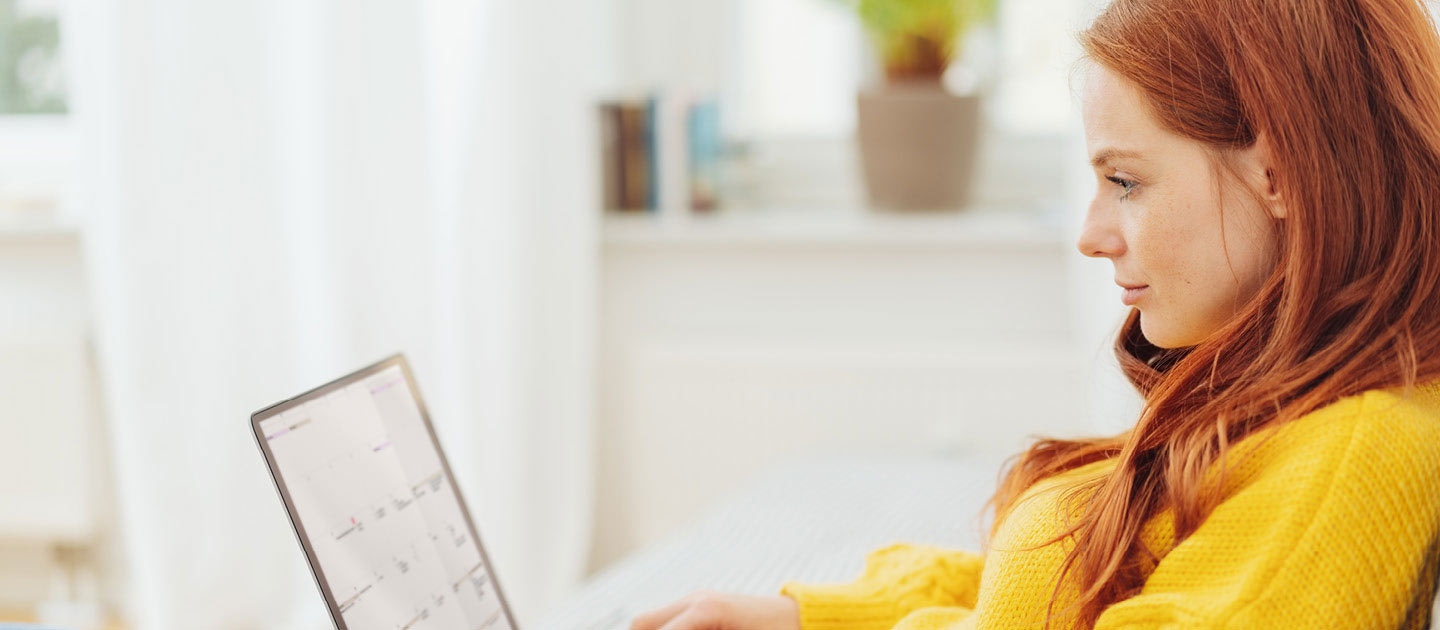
(786, 351)
(21, 231)
(1010, 226)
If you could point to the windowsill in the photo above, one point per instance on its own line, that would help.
(808, 191)
(1036, 226)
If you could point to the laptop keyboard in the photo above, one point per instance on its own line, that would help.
(809, 521)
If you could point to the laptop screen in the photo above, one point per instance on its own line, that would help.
(375, 506)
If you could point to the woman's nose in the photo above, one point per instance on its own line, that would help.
(1099, 237)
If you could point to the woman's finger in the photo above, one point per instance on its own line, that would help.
(694, 618)
(654, 619)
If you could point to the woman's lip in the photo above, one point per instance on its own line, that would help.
(1131, 296)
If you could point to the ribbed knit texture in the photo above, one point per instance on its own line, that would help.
(1330, 521)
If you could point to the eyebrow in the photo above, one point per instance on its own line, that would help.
(1105, 155)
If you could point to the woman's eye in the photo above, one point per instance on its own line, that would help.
(1128, 185)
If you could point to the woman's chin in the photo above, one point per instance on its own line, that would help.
(1157, 335)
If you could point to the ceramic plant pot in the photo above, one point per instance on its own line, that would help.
(917, 145)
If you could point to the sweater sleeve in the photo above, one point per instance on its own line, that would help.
(898, 579)
(1343, 532)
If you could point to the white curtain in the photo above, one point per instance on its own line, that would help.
(279, 191)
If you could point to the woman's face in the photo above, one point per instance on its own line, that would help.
(1157, 215)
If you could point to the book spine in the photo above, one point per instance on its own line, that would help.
(611, 157)
(652, 152)
(635, 163)
(703, 129)
(674, 156)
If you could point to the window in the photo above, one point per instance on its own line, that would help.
(35, 131)
(800, 62)
(31, 79)
(787, 73)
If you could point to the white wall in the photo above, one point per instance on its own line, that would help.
(721, 358)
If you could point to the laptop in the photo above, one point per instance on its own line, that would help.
(375, 507)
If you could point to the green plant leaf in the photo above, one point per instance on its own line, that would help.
(917, 38)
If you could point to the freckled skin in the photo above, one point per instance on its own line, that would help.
(1202, 240)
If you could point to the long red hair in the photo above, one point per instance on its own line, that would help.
(1347, 92)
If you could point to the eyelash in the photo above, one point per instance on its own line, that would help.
(1128, 185)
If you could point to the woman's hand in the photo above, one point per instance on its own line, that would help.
(708, 610)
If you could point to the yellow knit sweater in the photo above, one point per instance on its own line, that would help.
(1331, 522)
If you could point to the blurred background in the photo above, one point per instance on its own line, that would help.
(638, 252)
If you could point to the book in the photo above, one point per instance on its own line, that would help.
(612, 181)
(669, 141)
(660, 153)
(635, 157)
(703, 131)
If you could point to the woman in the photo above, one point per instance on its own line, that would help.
(1269, 180)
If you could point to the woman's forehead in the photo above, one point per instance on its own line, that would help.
(1118, 123)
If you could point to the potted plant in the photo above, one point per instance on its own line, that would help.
(917, 139)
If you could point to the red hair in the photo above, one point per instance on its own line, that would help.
(1347, 94)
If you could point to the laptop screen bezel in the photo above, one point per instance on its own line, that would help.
(318, 392)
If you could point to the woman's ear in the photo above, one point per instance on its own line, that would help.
(1257, 162)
